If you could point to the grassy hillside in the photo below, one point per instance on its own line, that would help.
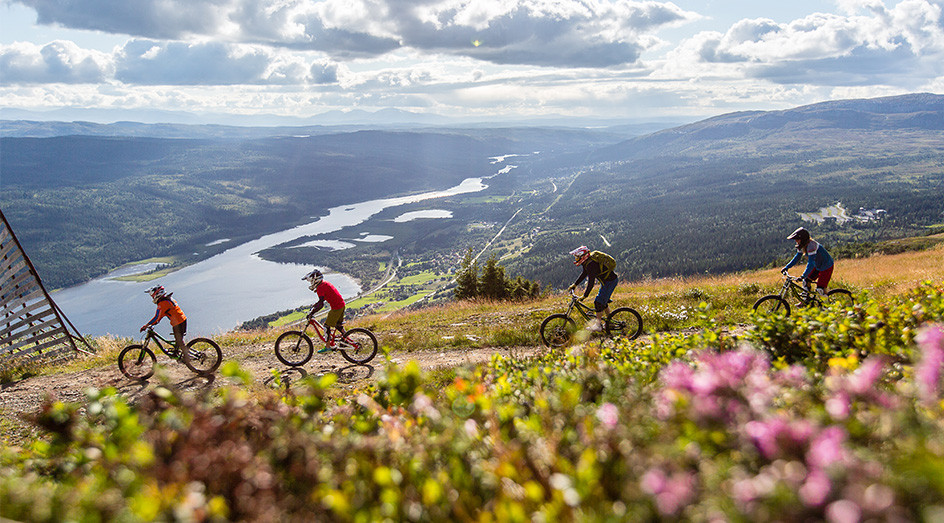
(824, 414)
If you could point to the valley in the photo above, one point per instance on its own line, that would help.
(712, 197)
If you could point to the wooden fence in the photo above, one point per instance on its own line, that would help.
(32, 327)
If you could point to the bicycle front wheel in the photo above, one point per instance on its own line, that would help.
(293, 348)
(203, 356)
(772, 304)
(358, 346)
(624, 322)
(137, 362)
(841, 297)
(557, 330)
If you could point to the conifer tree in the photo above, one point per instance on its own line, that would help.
(467, 279)
(493, 285)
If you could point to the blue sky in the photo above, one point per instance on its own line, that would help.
(486, 59)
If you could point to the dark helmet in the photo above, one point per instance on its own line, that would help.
(800, 234)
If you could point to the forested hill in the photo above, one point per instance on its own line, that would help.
(721, 195)
(782, 131)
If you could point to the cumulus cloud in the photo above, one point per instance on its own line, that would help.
(324, 73)
(829, 49)
(56, 62)
(176, 63)
(171, 19)
(564, 33)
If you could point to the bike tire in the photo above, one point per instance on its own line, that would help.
(557, 330)
(772, 304)
(624, 322)
(203, 356)
(358, 346)
(293, 348)
(137, 362)
(842, 297)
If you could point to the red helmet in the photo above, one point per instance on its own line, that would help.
(580, 254)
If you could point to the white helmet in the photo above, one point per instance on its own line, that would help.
(580, 254)
(156, 293)
(314, 279)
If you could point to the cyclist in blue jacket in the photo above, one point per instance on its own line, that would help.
(819, 264)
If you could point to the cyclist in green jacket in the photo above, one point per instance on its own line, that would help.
(597, 265)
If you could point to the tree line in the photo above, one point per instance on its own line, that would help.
(493, 283)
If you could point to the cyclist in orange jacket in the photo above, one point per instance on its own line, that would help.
(166, 306)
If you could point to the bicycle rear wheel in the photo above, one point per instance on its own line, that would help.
(772, 304)
(842, 297)
(358, 346)
(557, 330)
(203, 356)
(293, 348)
(137, 362)
(624, 322)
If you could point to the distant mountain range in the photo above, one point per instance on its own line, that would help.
(922, 112)
(174, 124)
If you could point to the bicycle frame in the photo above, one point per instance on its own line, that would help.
(587, 312)
(151, 334)
(321, 330)
(791, 287)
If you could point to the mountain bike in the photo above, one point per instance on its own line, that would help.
(804, 297)
(294, 348)
(558, 329)
(137, 361)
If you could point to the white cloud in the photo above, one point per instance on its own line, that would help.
(146, 62)
(563, 33)
(883, 45)
(56, 62)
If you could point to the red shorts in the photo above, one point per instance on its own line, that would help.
(821, 277)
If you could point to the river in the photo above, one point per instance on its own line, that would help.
(221, 292)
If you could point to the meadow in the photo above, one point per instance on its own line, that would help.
(715, 414)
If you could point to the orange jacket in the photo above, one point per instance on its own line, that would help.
(168, 307)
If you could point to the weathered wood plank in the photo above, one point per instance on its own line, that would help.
(35, 336)
(8, 325)
(8, 305)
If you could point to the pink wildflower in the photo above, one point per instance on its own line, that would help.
(839, 405)
(677, 375)
(776, 438)
(843, 511)
(928, 373)
(673, 493)
(866, 376)
(815, 489)
(827, 448)
(608, 414)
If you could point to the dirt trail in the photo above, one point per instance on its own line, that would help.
(25, 396)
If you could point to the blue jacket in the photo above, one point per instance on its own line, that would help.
(819, 258)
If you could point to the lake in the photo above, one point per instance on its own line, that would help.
(221, 292)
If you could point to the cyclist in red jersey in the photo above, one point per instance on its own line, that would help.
(326, 292)
(169, 308)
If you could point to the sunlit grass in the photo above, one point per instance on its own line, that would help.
(666, 304)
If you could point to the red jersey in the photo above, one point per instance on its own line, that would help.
(330, 294)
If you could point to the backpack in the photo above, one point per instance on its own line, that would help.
(607, 263)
